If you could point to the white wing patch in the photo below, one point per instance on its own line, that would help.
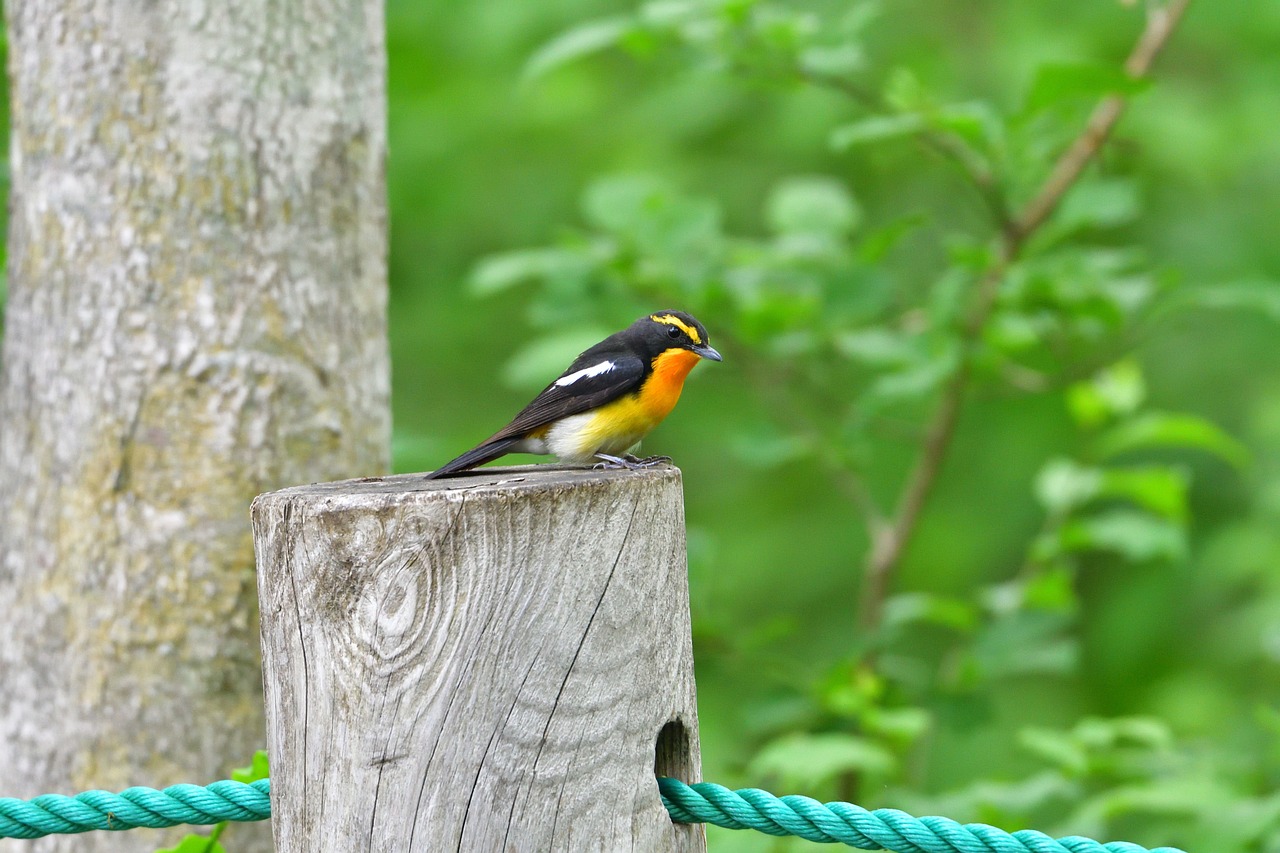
(585, 373)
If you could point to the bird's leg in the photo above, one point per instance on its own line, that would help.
(646, 462)
(610, 463)
(629, 462)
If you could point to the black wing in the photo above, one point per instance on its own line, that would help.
(581, 395)
(559, 401)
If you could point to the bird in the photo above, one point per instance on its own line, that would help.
(606, 401)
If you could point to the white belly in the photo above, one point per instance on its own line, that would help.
(574, 440)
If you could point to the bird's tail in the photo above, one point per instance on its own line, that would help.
(486, 452)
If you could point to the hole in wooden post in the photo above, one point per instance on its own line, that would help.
(671, 753)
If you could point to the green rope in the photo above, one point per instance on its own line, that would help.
(54, 814)
(705, 802)
(882, 829)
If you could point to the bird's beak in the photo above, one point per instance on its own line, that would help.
(707, 352)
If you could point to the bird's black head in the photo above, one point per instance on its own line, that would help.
(665, 330)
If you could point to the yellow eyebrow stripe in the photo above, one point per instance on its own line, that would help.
(671, 319)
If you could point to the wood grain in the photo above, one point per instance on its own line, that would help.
(479, 663)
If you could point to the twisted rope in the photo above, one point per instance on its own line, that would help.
(882, 829)
(54, 814)
(704, 802)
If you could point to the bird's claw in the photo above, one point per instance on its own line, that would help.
(629, 462)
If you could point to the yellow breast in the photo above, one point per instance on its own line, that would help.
(616, 427)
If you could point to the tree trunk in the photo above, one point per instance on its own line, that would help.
(196, 314)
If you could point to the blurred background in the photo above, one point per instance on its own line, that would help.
(1083, 632)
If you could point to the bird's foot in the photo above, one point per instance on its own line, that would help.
(629, 462)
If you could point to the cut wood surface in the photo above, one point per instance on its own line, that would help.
(499, 661)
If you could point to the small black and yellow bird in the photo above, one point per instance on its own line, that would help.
(609, 398)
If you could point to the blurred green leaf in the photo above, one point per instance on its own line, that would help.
(915, 381)
(1051, 589)
(1013, 332)
(904, 92)
(977, 123)
(1097, 204)
(1064, 485)
(1057, 82)
(1177, 798)
(1024, 642)
(834, 60)
(1135, 535)
(540, 362)
(500, 272)
(1260, 295)
(999, 802)
(621, 202)
(921, 607)
(1117, 390)
(802, 760)
(879, 242)
(764, 446)
(1162, 430)
(575, 43)
(850, 690)
(259, 768)
(876, 129)
(812, 204)
(946, 299)
(1159, 489)
(195, 843)
(664, 225)
(1059, 749)
(1108, 733)
(667, 13)
(902, 725)
(878, 346)
(784, 29)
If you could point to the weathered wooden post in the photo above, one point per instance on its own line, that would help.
(496, 662)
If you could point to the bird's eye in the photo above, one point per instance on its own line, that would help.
(673, 332)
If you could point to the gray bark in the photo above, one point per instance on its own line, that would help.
(496, 662)
(196, 315)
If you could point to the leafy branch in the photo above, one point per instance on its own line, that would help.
(651, 242)
(890, 541)
(971, 164)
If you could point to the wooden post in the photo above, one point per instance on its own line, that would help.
(496, 662)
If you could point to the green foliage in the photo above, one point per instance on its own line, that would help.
(577, 43)
(1057, 82)
(876, 129)
(802, 761)
(829, 186)
(258, 768)
(195, 843)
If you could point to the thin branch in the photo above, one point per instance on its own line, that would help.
(946, 145)
(886, 553)
(1161, 22)
(888, 547)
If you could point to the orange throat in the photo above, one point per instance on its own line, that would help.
(662, 391)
